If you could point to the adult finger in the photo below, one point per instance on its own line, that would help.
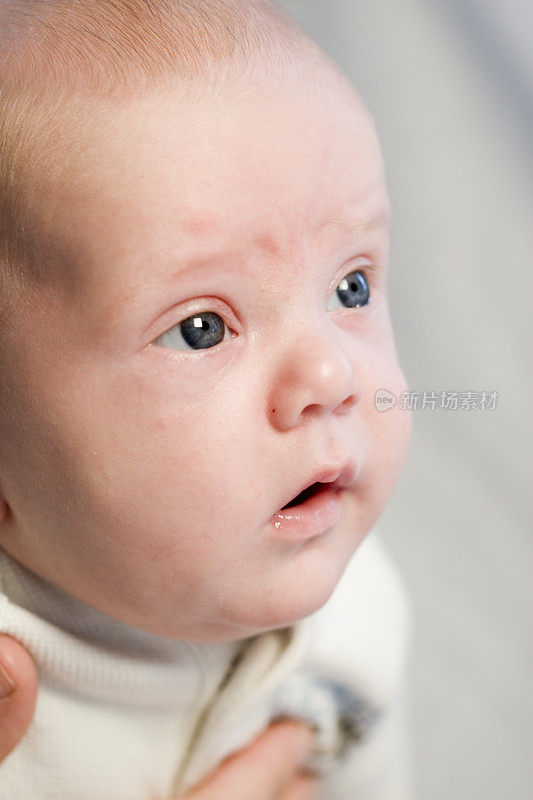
(18, 693)
(306, 787)
(264, 769)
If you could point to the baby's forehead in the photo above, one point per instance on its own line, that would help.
(211, 152)
(170, 168)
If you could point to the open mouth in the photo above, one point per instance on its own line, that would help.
(305, 495)
(317, 509)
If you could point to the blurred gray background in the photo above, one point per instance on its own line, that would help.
(450, 86)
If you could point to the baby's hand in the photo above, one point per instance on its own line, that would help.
(269, 769)
(18, 693)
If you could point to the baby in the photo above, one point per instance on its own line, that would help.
(194, 324)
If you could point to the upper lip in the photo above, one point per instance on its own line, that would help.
(340, 477)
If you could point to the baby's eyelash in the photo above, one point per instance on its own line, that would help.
(371, 269)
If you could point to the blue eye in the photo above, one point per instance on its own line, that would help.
(198, 332)
(353, 290)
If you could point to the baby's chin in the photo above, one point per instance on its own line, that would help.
(277, 592)
(301, 586)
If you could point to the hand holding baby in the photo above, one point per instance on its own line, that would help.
(18, 693)
(269, 769)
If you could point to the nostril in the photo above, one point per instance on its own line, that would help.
(348, 403)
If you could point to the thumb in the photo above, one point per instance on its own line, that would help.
(18, 693)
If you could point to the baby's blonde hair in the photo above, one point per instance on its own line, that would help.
(51, 52)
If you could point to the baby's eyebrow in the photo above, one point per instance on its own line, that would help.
(352, 221)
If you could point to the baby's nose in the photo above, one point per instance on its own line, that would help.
(314, 376)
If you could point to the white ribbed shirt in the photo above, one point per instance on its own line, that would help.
(122, 714)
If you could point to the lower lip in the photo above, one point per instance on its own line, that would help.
(311, 518)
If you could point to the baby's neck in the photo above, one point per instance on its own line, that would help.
(103, 637)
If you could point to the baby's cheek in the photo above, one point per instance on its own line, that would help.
(398, 419)
(392, 445)
(387, 432)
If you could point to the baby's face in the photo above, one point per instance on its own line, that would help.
(193, 366)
